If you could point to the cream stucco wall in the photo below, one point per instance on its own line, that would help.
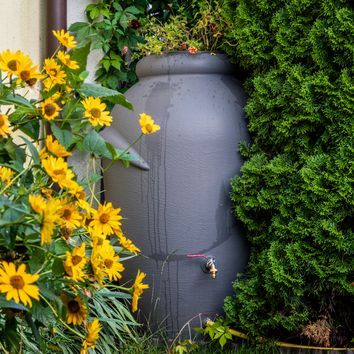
(22, 27)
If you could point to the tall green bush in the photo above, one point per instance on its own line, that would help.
(295, 194)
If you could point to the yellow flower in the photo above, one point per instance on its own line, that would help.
(73, 187)
(6, 174)
(69, 216)
(147, 124)
(50, 109)
(76, 310)
(93, 330)
(4, 125)
(10, 61)
(55, 148)
(75, 273)
(95, 112)
(47, 192)
(127, 244)
(37, 203)
(65, 59)
(56, 75)
(77, 257)
(65, 39)
(49, 221)
(28, 73)
(75, 262)
(138, 289)
(17, 284)
(106, 219)
(56, 168)
(109, 261)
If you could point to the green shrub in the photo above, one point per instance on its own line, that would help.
(295, 194)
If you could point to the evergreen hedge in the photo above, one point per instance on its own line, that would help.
(295, 194)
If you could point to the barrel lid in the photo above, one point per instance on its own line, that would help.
(179, 63)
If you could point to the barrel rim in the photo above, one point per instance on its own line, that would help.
(179, 63)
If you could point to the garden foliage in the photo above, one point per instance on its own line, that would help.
(61, 250)
(295, 194)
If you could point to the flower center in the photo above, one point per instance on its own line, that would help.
(53, 72)
(12, 65)
(58, 171)
(95, 112)
(17, 282)
(49, 109)
(73, 306)
(149, 128)
(25, 75)
(108, 263)
(67, 214)
(31, 82)
(65, 232)
(2, 120)
(104, 218)
(76, 259)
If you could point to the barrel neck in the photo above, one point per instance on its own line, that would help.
(179, 63)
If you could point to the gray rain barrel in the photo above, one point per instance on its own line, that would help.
(176, 199)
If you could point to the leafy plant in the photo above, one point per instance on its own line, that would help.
(114, 27)
(61, 250)
(217, 331)
(203, 30)
(295, 192)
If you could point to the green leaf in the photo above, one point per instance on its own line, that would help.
(42, 314)
(80, 55)
(222, 341)
(11, 305)
(110, 95)
(96, 145)
(31, 129)
(77, 26)
(12, 338)
(65, 137)
(133, 10)
(33, 150)
(58, 267)
(60, 247)
(18, 100)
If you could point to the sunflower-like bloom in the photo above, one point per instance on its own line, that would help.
(95, 112)
(104, 259)
(127, 244)
(37, 203)
(75, 262)
(55, 148)
(58, 170)
(17, 284)
(138, 289)
(50, 109)
(56, 75)
(6, 174)
(11, 61)
(4, 125)
(65, 38)
(76, 311)
(73, 187)
(49, 221)
(93, 330)
(147, 124)
(69, 215)
(106, 219)
(28, 73)
(66, 60)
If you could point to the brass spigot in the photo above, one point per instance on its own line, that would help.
(211, 267)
